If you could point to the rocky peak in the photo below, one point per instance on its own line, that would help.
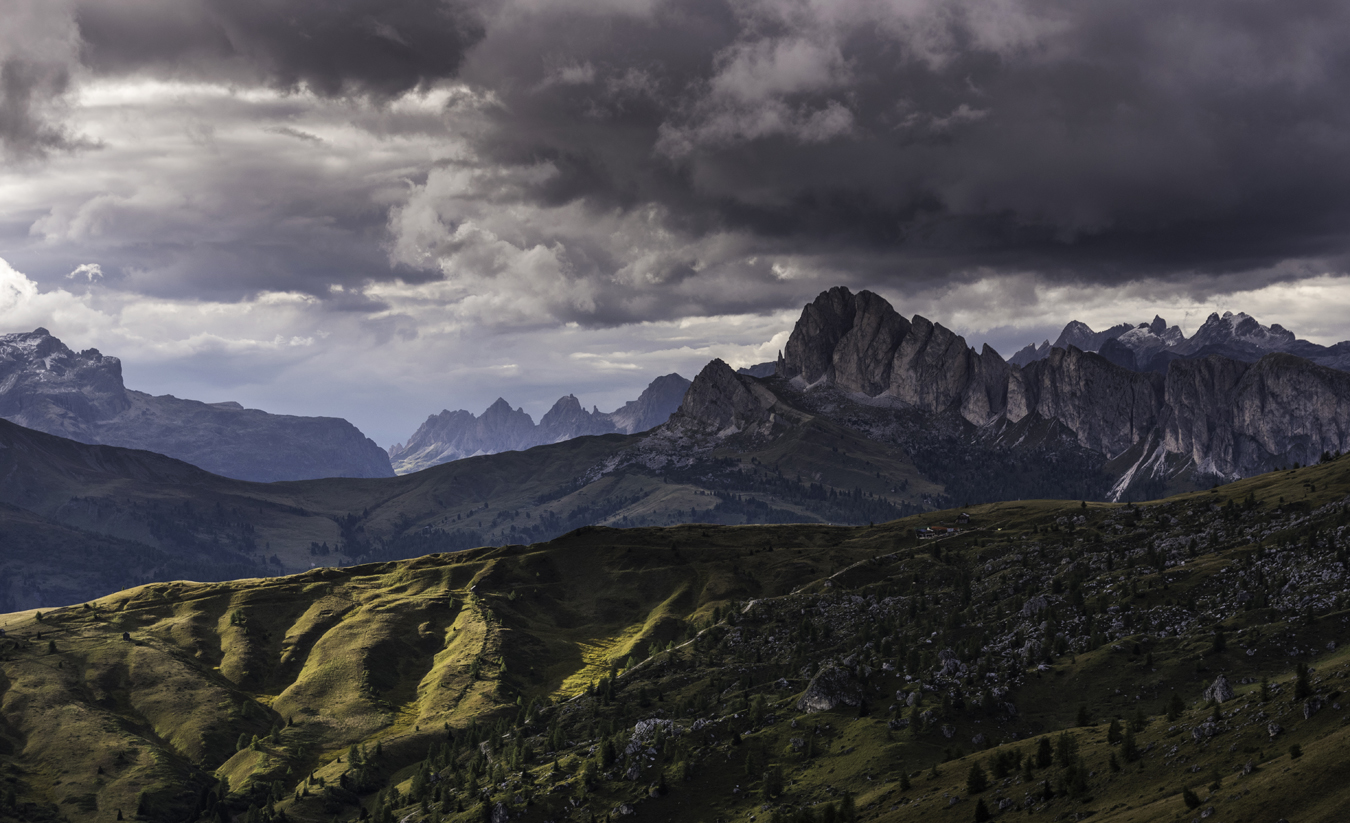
(723, 401)
(1081, 336)
(653, 407)
(810, 349)
(39, 372)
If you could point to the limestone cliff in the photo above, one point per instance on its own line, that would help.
(1220, 416)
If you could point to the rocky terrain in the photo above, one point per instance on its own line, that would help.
(1208, 418)
(80, 395)
(1153, 346)
(1178, 660)
(459, 434)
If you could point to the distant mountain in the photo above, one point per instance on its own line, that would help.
(872, 416)
(1152, 346)
(450, 436)
(46, 386)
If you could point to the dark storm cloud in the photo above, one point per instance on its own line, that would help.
(1100, 141)
(28, 128)
(334, 47)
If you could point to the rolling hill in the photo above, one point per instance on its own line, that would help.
(1047, 658)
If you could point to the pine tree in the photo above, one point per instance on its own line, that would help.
(1129, 749)
(982, 812)
(1113, 734)
(1302, 684)
(976, 781)
(1044, 754)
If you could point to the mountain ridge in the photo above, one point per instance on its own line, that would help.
(450, 436)
(1284, 410)
(46, 386)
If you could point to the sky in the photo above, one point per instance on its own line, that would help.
(377, 209)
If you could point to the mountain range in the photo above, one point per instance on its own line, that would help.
(80, 395)
(1209, 418)
(46, 386)
(869, 417)
(455, 435)
(1153, 346)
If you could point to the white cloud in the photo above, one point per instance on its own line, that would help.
(87, 270)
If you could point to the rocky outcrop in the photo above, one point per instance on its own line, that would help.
(46, 386)
(724, 402)
(832, 687)
(567, 419)
(1219, 691)
(859, 343)
(455, 435)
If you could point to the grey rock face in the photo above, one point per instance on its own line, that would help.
(46, 386)
(931, 368)
(1221, 417)
(832, 687)
(1219, 691)
(721, 400)
(810, 350)
(1240, 420)
(1107, 407)
(862, 358)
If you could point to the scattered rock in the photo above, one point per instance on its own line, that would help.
(1219, 691)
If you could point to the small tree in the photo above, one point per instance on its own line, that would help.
(982, 812)
(1190, 798)
(1175, 707)
(1302, 685)
(1045, 756)
(1295, 751)
(1083, 718)
(1113, 733)
(976, 781)
(1129, 749)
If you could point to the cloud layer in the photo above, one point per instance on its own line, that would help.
(595, 173)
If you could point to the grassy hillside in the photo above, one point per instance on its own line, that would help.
(705, 672)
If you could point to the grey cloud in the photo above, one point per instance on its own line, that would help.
(1084, 141)
(29, 90)
(380, 48)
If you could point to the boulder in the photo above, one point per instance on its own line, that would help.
(1219, 691)
(832, 687)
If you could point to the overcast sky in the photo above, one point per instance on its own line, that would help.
(377, 209)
